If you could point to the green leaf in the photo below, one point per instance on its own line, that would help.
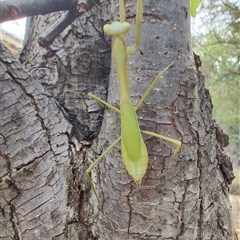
(193, 7)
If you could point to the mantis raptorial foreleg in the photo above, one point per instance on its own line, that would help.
(133, 148)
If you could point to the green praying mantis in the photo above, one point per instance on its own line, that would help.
(133, 149)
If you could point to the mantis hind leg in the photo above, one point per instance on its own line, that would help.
(171, 140)
(90, 168)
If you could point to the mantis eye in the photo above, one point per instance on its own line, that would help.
(116, 28)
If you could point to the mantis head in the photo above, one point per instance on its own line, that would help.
(116, 28)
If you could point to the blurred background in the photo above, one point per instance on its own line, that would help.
(216, 39)
(12, 34)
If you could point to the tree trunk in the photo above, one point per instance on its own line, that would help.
(50, 134)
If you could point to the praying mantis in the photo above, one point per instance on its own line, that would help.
(133, 149)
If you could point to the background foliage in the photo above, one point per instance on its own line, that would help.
(217, 41)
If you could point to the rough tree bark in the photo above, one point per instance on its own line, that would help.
(50, 134)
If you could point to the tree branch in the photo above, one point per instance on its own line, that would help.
(12, 9)
(55, 29)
